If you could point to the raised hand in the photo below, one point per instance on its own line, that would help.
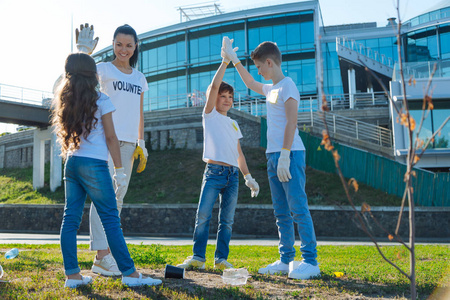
(227, 51)
(84, 38)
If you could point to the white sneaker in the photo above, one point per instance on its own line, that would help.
(106, 266)
(191, 262)
(131, 281)
(276, 267)
(223, 265)
(74, 283)
(305, 271)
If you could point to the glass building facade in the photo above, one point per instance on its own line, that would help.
(179, 61)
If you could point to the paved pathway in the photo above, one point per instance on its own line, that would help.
(32, 238)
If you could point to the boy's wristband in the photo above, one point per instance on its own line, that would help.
(235, 64)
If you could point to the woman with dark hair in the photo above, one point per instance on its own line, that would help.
(125, 85)
(82, 120)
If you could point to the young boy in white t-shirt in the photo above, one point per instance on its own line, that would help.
(223, 154)
(285, 160)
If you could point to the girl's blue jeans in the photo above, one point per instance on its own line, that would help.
(223, 182)
(85, 176)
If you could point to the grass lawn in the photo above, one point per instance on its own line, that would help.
(37, 273)
(174, 176)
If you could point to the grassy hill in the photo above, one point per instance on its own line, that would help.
(174, 176)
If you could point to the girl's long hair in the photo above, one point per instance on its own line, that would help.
(75, 102)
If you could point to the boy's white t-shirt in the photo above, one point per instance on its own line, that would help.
(276, 96)
(125, 93)
(94, 146)
(221, 135)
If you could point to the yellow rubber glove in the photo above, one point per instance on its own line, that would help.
(141, 153)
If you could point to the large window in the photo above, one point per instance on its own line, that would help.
(432, 123)
(422, 45)
(179, 66)
(332, 74)
(205, 42)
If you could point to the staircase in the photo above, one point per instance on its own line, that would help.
(349, 131)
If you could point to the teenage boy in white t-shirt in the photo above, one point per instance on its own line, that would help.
(285, 159)
(223, 154)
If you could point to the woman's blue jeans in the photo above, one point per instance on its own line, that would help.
(87, 176)
(223, 182)
(290, 205)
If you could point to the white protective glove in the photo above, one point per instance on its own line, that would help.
(141, 153)
(84, 39)
(120, 178)
(252, 184)
(283, 166)
(227, 51)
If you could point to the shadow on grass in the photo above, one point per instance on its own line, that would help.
(368, 289)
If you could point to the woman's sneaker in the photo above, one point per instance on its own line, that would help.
(106, 266)
(74, 283)
(191, 262)
(305, 271)
(131, 281)
(274, 268)
(223, 265)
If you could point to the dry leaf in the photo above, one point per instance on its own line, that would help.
(412, 123)
(354, 183)
(336, 155)
(390, 237)
(365, 207)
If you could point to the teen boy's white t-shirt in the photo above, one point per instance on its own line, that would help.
(221, 135)
(94, 146)
(125, 93)
(276, 96)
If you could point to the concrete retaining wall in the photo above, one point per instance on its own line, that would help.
(250, 221)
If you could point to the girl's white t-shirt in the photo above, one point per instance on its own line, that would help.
(276, 96)
(221, 135)
(94, 146)
(125, 92)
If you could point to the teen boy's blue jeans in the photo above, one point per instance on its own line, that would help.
(223, 181)
(87, 176)
(290, 205)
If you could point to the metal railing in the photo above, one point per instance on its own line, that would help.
(422, 69)
(257, 105)
(345, 101)
(24, 95)
(352, 45)
(352, 128)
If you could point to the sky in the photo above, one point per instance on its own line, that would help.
(36, 35)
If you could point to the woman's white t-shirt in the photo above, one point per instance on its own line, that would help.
(125, 93)
(221, 135)
(94, 146)
(276, 96)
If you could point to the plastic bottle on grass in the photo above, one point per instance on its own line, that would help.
(235, 276)
(12, 253)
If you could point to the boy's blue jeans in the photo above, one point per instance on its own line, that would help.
(290, 205)
(223, 181)
(87, 176)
